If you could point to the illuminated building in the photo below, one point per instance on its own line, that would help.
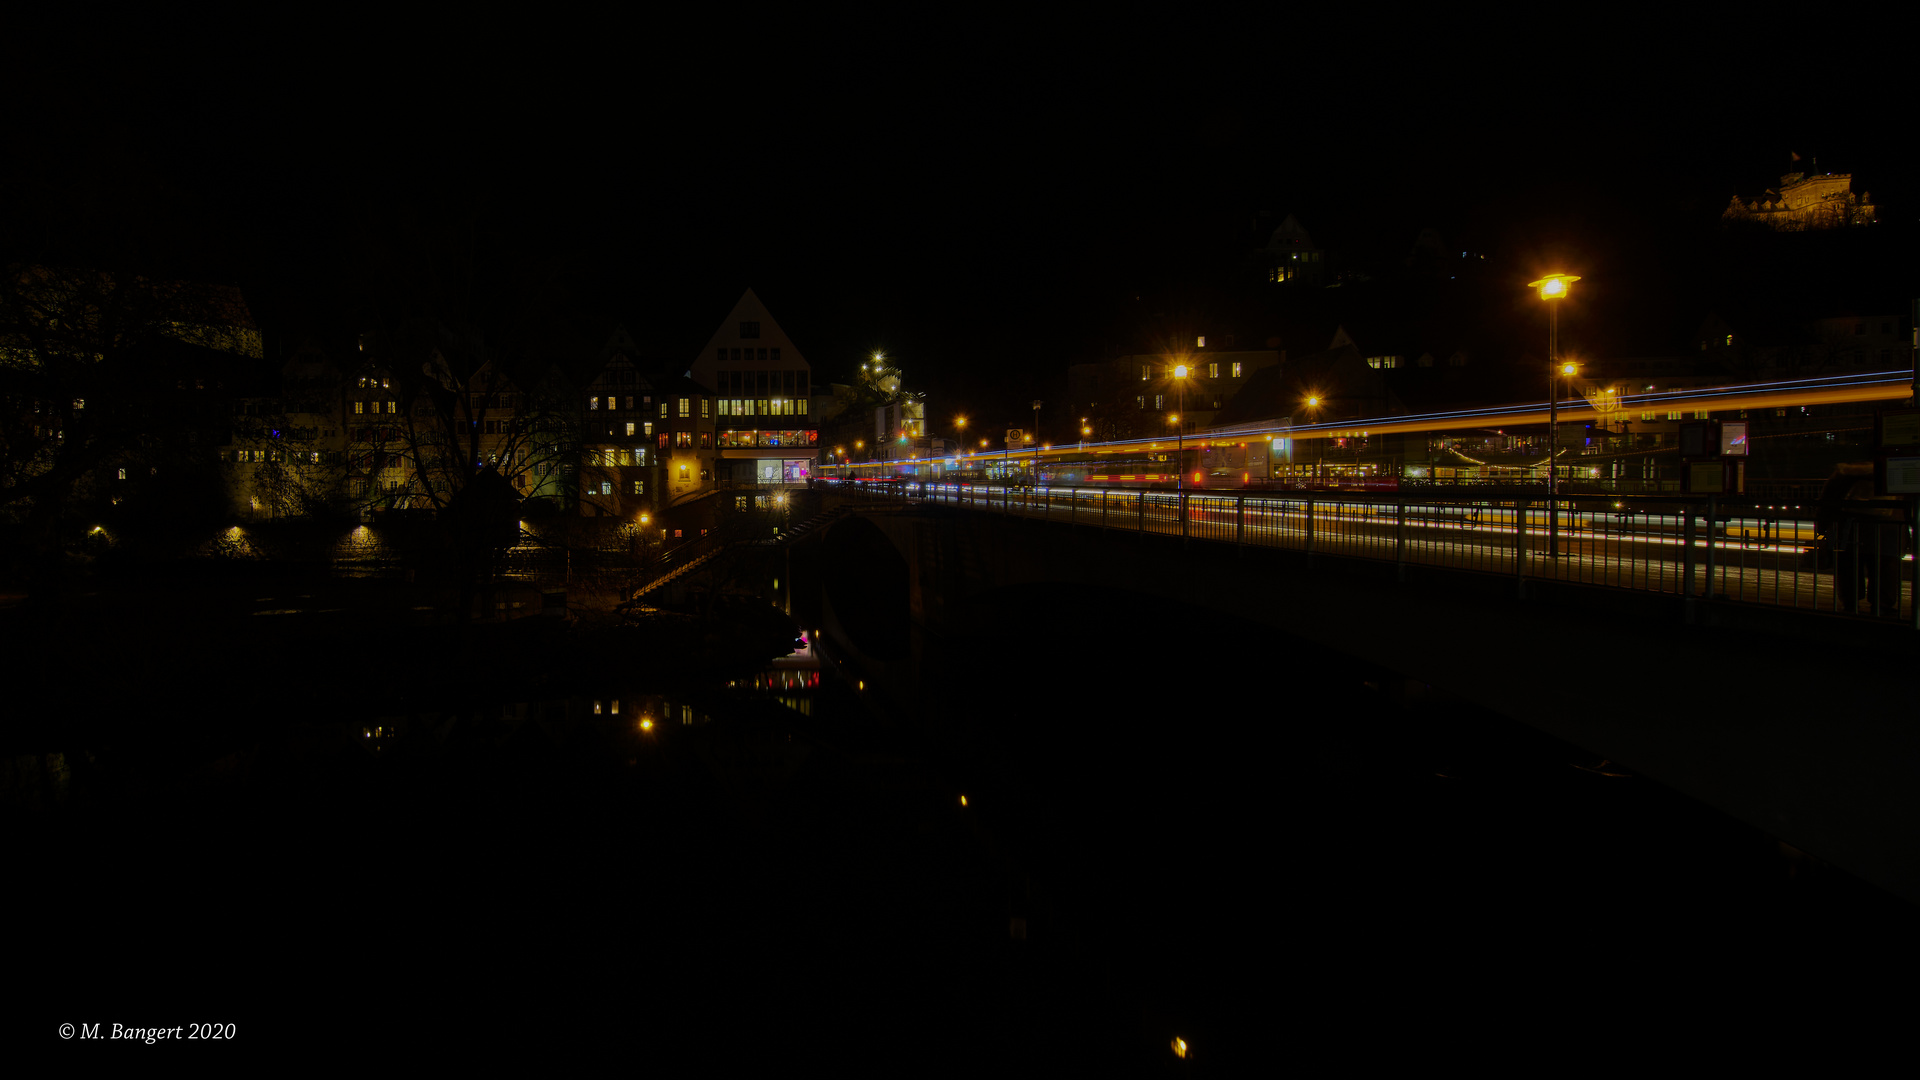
(623, 437)
(1805, 201)
(1133, 395)
(1291, 258)
(760, 389)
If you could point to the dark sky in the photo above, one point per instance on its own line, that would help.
(981, 211)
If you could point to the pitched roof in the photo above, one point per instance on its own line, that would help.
(747, 325)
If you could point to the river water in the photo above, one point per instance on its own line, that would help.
(713, 841)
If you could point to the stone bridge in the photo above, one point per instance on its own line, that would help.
(1800, 724)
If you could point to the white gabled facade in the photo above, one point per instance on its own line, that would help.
(763, 388)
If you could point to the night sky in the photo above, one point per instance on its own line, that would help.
(984, 212)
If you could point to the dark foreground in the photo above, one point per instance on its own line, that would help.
(1281, 856)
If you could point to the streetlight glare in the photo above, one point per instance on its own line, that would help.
(1313, 402)
(1566, 369)
(1553, 286)
(1180, 371)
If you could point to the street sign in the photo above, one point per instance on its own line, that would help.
(1700, 439)
(1899, 429)
(1714, 476)
(1898, 475)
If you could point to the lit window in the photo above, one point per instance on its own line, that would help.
(593, 404)
(359, 407)
(686, 406)
(1213, 371)
(1649, 416)
(703, 408)
(123, 474)
(393, 407)
(606, 487)
(596, 708)
(616, 707)
(1701, 415)
(639, 488)
(1236, 371)
(1201, 342)
(1675, 415)
(648, 428)
(683, 472)
(663, 410)
(1146, 372)
(79, 403)
(1159, 401)
(1142, 399)
(629, 427)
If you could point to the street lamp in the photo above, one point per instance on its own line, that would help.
(1180, 447)
(1030, 438)
(1553, 287)
(1319, 446)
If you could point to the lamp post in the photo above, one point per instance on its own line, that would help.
(1031, 436)
(1552, 288)
(1319, 445)
(1180, 433)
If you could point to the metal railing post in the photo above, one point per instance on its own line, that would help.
(1400, 538)
(1713, 507)
(1686, 555)
(1520, 547)
(1240, 522)
(1309, 528)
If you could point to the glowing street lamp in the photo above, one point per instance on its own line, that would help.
(1319, 447)
(1180, 451)
(1553, 287)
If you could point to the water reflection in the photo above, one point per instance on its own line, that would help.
(791, 680)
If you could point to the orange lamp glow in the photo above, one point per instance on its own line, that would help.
(1553, 286)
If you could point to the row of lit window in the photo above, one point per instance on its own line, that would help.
(621, 456)
(791, 381)
(762, 407)
(1213, 370)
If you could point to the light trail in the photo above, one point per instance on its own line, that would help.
(1770, 394)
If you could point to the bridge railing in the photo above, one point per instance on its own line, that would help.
(1855, 562)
